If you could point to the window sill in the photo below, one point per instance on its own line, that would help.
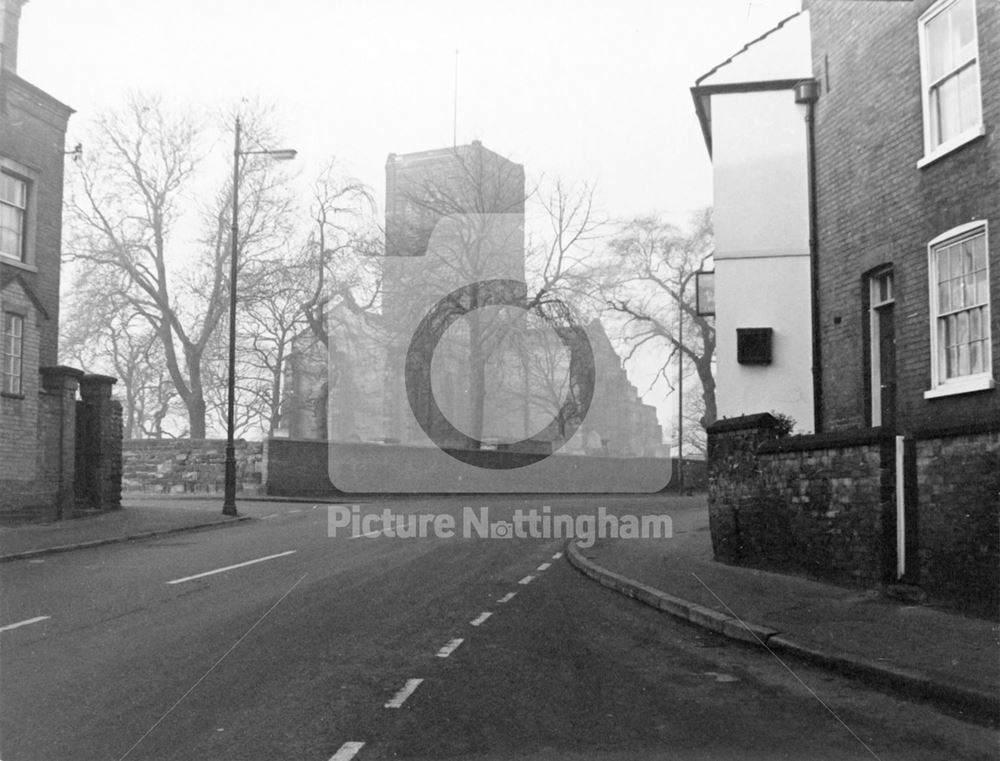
(961, 386)
(10, 260)
(8, 395)
(953, 145)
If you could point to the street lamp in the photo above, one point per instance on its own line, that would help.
(281, 154)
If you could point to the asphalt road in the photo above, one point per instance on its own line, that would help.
(314, 652)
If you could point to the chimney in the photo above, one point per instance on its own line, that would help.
(10, 18)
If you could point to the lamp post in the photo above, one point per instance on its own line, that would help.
(282, 154)
(680, 395)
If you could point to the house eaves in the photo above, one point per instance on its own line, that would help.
(776, 60)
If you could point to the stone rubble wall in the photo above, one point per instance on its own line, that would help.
(189, 466)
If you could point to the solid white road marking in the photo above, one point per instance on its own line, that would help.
(400, 697)
(557, 556)
(450, 648)
(364, 536)
(544, 566)
(507, 597)
(34, 620)
(526, 580)
(266, 517)
(480, 618)
(347, 751)
(231, 567)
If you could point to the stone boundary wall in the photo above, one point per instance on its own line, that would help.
(189, 466)
(825, 506)
(297, 467)
(815, 505)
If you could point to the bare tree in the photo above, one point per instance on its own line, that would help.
(125, 210)
(100, 332)
(649, 285)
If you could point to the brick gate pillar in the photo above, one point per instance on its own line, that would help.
(99, 440)
(57, 433)
(732, 477)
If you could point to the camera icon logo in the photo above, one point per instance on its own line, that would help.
(502, 530)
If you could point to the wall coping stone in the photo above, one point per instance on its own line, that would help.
(55, 377)
(989, 425)
(827, 440)
(743, 423)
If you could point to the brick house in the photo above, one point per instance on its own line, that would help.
(44, 470)
(900, 115)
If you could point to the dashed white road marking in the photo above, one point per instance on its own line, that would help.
(34, 620)
(266, 517)
(526, 580)
(507, 597)
(294, 511)
(480, 618)
(544, 566)
(557, 556)
(400, 697)
(364, 536)
(450, 648)
(231, 567)
(347, 751)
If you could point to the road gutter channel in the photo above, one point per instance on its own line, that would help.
(980, 704)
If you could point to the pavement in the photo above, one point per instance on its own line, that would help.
(951, 660)
(138, 519)
(948, 659)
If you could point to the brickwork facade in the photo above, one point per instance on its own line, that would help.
(53, 459)
(958, 504)
(876, 208)
(899, 448)
(20, 412)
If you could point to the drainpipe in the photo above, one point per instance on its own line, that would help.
(807, 93)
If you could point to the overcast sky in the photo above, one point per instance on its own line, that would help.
(587, 90)
(584, 89)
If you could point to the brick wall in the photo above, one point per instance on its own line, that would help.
(875, 207)
(189, 466)
(46, 490)
(32, 133)
(19, 414)
(97, 478)
(958, 513)
(825, 506)
(806, 504)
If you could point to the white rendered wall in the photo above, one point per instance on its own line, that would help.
(762, 251)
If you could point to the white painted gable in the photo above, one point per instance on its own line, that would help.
(783, 53)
